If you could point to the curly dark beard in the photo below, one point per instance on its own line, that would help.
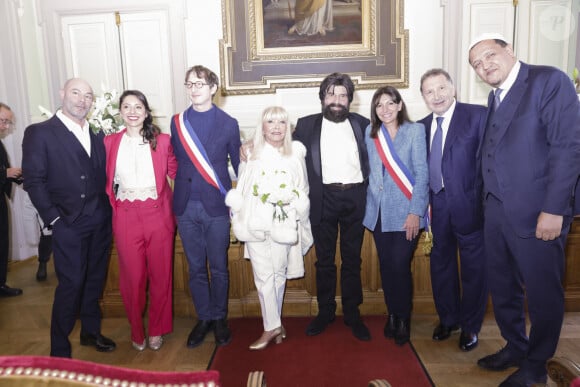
(335, 115)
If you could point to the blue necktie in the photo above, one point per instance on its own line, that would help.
(435, 179)
(496, 100)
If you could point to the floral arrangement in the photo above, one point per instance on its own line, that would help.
(104, 114)
(273, 187)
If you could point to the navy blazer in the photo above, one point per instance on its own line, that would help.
(224, 140)
(59, 176)
(459, 166)
(308, 131)
(538, 146)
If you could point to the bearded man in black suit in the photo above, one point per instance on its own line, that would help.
(338, 169)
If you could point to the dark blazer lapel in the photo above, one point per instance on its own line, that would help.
(70, 143)
(427, 123)
(511, 101)
(360, 143)
(315, 146)
(455, 126)
(97, 151)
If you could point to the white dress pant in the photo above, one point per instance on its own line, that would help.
(269, 263)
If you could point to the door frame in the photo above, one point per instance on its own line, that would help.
(51, 12)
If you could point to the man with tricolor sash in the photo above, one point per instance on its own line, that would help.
(204, 137)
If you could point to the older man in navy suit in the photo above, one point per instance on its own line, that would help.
(459, 285)
(64, 174)
(530, 157)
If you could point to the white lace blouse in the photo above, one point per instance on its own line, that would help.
(134, 172)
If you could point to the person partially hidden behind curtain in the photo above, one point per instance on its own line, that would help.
(8, 175)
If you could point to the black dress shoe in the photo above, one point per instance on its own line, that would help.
(390, 326)
(501, 360)
(198, 333)
(7, 291)
(222, 333)
(468, 341)
(442, 332)
(403, 332)
(522, 378)
(100, 342)
(318, 325)
(360, 330)
(41, 272)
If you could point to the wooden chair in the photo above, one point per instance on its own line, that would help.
(564, 372)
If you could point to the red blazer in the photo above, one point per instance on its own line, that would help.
(164, 166)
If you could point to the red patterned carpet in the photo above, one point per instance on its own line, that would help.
(334, 358)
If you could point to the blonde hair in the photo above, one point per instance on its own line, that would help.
(272, 113)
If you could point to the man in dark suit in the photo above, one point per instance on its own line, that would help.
(338, 168)
(203, 218)
(8, 175)
(530, 158)
(459, 285)
(64, 174)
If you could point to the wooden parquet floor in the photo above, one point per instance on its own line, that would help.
(25, 325)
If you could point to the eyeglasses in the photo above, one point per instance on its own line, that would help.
(198, 84)
(6, 122)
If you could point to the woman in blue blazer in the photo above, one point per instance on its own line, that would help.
(397, 198)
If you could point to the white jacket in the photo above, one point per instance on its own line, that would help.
(252, 220)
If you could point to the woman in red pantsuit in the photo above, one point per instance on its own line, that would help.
(140, 160)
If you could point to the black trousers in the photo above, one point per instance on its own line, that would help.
(395, 255)
(341, 210)
(4, 239)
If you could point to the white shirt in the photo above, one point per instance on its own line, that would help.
(509, 81)
(134, 170)
(339, 153)
(80, 132)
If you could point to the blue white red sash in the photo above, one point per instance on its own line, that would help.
(196, 152)
(393, 164)
(399, 172)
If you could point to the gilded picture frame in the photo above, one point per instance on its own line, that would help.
(260, 52)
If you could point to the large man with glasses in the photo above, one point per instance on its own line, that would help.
(8, 175)
(338, 169)
(204, 137)
(64, 174)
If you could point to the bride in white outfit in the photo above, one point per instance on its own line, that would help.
(275, 245)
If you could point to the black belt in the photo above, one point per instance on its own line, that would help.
(340, 186)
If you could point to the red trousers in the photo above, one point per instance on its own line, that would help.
(144, 240)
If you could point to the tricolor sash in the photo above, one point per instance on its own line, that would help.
(393, 164)
(196, 152)
(401, 176)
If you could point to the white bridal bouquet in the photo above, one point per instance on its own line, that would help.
(272, 205)
(104, 114)
(273, 187)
